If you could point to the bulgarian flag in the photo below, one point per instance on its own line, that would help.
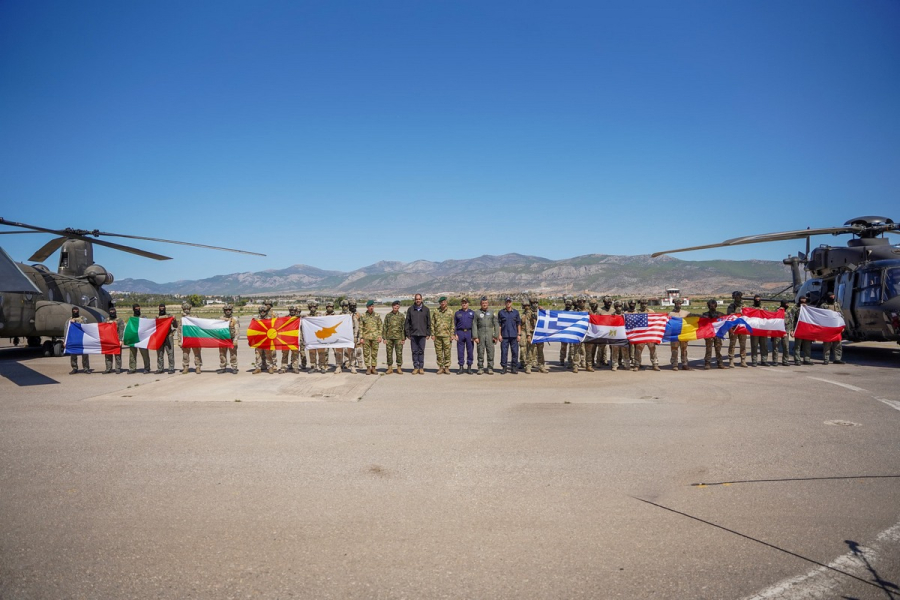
(205, 333)
(92, 338)
(764, 323)
(280, 333)
(146, 333)
(819, 324)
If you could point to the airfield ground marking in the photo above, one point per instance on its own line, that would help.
(843, 385)
(891, 403)
(819, 582)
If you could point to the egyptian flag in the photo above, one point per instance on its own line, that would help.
(764, 323)
(606, 329)
(92, 338)
(280, 333)
(819, 324)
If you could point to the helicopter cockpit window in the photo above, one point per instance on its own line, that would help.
(892, 283)
(869, 293)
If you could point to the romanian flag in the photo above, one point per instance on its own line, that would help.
(280, 333)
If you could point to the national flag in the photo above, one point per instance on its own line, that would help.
(723, 325)
(565, 326)
(334, 331)
(819, 324)
(278, 333)
(685, 329)
(205, 333)
(92, 338)
(146, 333)
(764, 323)
(644, 328)
(606, 329)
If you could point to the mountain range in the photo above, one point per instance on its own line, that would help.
(593, 273)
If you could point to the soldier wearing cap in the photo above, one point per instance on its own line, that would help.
(265, 358)
(228, 313)
(393, 333)
(290, 359)
(370, 327)
(462, 333)
(739, 339)
(132, 351)
(510, 328)
(442, 334)
(186, 352)
(486, 332)
(120, 330)
(167, 349)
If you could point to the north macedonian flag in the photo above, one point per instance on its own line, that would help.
(280, 333)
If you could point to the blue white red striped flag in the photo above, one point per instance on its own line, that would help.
(564, 326)
(92, 338)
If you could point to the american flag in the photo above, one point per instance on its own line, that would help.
(642, 328)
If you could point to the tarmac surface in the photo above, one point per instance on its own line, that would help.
(767, 482)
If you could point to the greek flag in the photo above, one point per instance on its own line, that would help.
(561, 326)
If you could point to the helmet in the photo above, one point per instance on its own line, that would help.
(312, 304)
(351, 302)
(292, 310)
(185, 306)
(227, 307)
(617, 304)
(268, 303)
(262, 309)
(344, 302)
(329, 304)
(737, 294)
(712, 302)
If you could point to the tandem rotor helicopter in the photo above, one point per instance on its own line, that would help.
(37, 303)
(864, 275)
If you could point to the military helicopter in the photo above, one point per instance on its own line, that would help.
(36, 303)
(864, 275)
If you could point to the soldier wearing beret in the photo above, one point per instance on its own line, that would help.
(393, 333)
(370, 327)
(441, 334)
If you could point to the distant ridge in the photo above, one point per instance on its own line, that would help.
(596, 273)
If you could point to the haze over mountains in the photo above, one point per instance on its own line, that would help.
(595, 273)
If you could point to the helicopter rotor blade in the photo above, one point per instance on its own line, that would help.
(768, 237)
(150, 239)
(127, 249)
(47, 249)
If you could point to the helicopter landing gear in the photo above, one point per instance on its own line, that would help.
(15, 341)
(33, 342)
(53, 348)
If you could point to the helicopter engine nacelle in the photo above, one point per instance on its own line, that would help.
(98, 276)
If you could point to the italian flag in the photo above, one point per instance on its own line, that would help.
(146, 333)
(205, 333)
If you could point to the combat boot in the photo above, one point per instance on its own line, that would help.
(257, 370)
(389, 370)
(656, 367)
(686, 367)
(338, 369)
(73, 372)
(719, 365)
(544, 369)
(490, 371)
(118, 371)
(220, 371)
(528, 369)
(589, 368)
(479, 372)
(461, 370)
(399, 371)
(707, 366)
(744, 364)
(198, 370)
(106, 372)
(469, 370)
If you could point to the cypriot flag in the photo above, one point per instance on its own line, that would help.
(335, 331)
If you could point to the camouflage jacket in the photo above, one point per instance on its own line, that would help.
(370, 326)
(442, 322)
(527, 326)
(712, 314)
(232, 328)
(355, 318)
(735, 307)
(835, 306)
(394, 326)
(789, 320)
(120, 326)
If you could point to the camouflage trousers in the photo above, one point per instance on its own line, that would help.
(318, 359)
(370, 352)
(85, 361)
(290, 360)
(783, 344)
(538, 354)
(265, 360)
(109, 361)
(618, 354)
(394, 348)
(676, 348)
(713, 343)
(576, 355)
(486, 346)
(223, 357)
(639, 351)
(166, 349)
(442, 350)
(759, 346)
(186, 358)
(739, 340)
(563, 353)
(802, 349)
(132, 358)
(829, 347)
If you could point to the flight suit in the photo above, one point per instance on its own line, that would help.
(120, 329)
(487, 329)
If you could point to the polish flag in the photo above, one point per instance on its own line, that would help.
(819, 325)
(765, 323)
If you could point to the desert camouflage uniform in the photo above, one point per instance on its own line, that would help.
(576, 351)
(342, 355)
(290, 359)
(564, 356)
(314, 353)
(167, 349)
(603, 349)
(526, 348)
(591, 350)
(617, 353)
(679, 346)
(370, 326)
(628, 360)
(639, 348)
(186, 352)
(442, 328)
(265, 358)
(120, 329)
(538, 349)
(736, 339)
(233, 332)
(393, 333)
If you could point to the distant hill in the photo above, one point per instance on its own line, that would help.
(595, 273)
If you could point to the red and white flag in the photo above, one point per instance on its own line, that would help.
(606, 329)
(764, 323)
(819, 325)
(643, 328)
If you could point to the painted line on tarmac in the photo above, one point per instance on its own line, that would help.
(843, 385)
(891, 403)
(820, 582)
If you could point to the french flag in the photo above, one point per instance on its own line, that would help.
(92, 338)
(764, 323)
(819, 325)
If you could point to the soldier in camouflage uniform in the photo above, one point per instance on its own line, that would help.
(486, 330)
(591, 350)
(394, 334)
(617, 352)
(758, 344)
(120, 329)
(323, 352)
(630, 308)
(715, 342)
(342, 355)
(784, 342)
(537, 349)
(801, 347)
(133, 352)
(313, 308)
(739, 339)
(681, 346)
(577, 351)
(651, 346)
(290, 359)
(355, 359)
(186, 352)
(228, 314)
(603, 349)
(564, 347)
(85, 358)
(168, 346)
(525, 361)
(370, 327)
(831, 303)
(442, 328)
(265, 358)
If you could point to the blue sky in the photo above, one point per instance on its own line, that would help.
(338, 134)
